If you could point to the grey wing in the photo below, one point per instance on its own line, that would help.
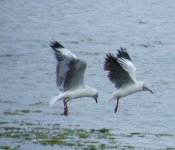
(71, 75)
(61, 69)
(117, 74)
(69, 70)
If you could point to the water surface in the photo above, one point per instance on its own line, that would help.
(90, 29)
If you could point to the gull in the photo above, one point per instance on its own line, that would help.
(70, 77)
(121, 72)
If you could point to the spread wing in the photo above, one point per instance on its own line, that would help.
(70, 70)
(120, 67)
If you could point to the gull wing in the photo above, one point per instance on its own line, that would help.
(70, 70)
(121, 69)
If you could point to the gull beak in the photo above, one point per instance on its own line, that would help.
(148, 89)
(151, 91)
(95, 98)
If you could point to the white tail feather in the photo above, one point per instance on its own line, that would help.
(53, 100)
(57, 98)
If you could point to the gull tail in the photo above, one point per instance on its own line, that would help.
(56, 98)
(53, 100)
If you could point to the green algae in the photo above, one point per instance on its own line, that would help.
(6, 101)
(6, 147)
(146, 45)
(37, 103)
(77, 138)
(3, 122)
(90, 142)
(55, 135)
(91, 147)
(41, 135)
(129, 146)
(28, 124)
(104, 130)
(11, 113)
(83, 135)
(36, 111)
(135, 133)
(102, 146)
(21, 112)
(170, 148)
(25, 111)
(113, 141)
(163, 134)
(54, 141)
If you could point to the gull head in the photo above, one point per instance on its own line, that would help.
(145, 87)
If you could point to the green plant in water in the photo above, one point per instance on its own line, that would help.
(9, 147)
(91, 147)
(102, 146)
(83, 135)
(104, 130)
(170, 148)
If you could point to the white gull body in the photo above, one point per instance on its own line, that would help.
(122, 74)
(84, 91)
(70, 77)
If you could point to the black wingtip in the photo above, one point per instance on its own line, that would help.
(121, 49)
(109, 60)
(55, 44)
(122, 53)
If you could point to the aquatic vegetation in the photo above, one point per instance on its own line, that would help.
(3, 122)
(54, 141)
(146, 45)
(37, 103)
(9, 147)
(29, 123)
(5, 101)
(163, 134)
(54, 134)
(92, 130)
(129, 146)
(41, 135)
(91, 141)
(104, 130)
(102, 146)
(11, 113)
(170, 148)
(91, 147)
(21, 112)
(5, 147)
(83, 135)
(33, 111)
(135, 133)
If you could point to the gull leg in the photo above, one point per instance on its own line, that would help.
(116, 107)
(65, 107)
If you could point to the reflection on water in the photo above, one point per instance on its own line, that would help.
(90, 29)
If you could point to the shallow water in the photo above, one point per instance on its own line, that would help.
(90, 29)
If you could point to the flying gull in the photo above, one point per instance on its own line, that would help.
(122, 74)
(70, 77)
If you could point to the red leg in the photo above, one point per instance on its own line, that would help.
(65, 107)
